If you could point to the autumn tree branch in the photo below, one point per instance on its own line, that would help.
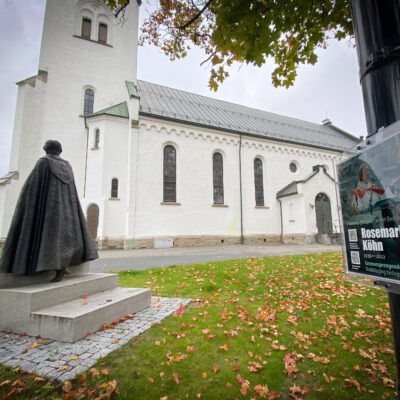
(182, 27)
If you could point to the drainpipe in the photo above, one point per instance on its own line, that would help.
(280, 207)
(86, 161)
(241, 194)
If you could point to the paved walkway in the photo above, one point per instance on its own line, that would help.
(63, 361)
(121, 260)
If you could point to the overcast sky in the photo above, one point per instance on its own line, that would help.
(328, 89)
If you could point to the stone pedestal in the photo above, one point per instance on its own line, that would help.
(81, 303)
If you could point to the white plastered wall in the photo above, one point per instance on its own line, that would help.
(195, 214)
(107, 162)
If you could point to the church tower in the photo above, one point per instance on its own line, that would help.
(87, 64)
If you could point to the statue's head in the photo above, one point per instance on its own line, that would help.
(52, 147)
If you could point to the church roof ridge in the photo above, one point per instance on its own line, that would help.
(174, 104)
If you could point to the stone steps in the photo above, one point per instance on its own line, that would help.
(71, 321)
(59, 311)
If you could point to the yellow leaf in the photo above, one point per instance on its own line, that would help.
(74, 357)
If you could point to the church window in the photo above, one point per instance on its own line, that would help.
(89, 101)
(258, 182)
(218, 178)
(96, 139)
(86, 28)
(293, 167)
(102, 33)
(114, 188)
(169, 174)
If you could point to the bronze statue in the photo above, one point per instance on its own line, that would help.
(48, 230)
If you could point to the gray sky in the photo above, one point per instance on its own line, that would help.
(328, 89)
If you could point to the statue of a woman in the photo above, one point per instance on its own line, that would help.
(48, 230)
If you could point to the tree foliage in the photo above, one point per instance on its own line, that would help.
(247, 31)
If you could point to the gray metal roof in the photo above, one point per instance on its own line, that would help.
(167, 103)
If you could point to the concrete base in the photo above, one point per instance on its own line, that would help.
(69, 309)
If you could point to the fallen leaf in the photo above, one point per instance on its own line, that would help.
(204, 375)
(67, 386)
(74, 357)
(63, 368)
(176, 377)
(216, 368)
(4, 383)
(262, 391)
(224, 347)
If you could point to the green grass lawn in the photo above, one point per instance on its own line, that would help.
(278, 327)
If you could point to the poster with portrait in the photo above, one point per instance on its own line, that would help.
(369, 197)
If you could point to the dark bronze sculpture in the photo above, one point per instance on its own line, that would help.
(48, 230)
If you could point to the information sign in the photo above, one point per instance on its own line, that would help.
(369, 197)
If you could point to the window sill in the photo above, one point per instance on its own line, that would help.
(95, 148)
(170, 203)
(93, 41)
(114, 198)
(265, 207)
(219, 205)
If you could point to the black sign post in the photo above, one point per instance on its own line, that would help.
(377, 37)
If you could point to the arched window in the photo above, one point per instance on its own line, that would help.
(218, 178)
(86, 28)
(114, 188)
(102, 33)
(258, 182)
(96, 138)
(169, 174)
(88, 102)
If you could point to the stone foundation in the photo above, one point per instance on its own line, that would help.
(187, 241)
(298, 238)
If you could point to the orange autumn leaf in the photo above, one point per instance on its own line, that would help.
(204, 375)
(216, 368)
(67, 386)
(262, 391)
(224, 347)
(63, 368)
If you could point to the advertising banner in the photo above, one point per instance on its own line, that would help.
(369, 197)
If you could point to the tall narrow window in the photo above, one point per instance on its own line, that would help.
(103, 33)
(169, 174)
(114, 188)
(218, 178)
(86, 28)
(258, 182)
(88, 103)
(96, 139)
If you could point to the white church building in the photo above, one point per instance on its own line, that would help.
(156, 166)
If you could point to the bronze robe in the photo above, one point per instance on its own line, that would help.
(48, 230)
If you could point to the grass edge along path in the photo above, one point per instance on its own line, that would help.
(284, 327)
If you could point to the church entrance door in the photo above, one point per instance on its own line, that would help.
(323, 214)
(93, 219)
